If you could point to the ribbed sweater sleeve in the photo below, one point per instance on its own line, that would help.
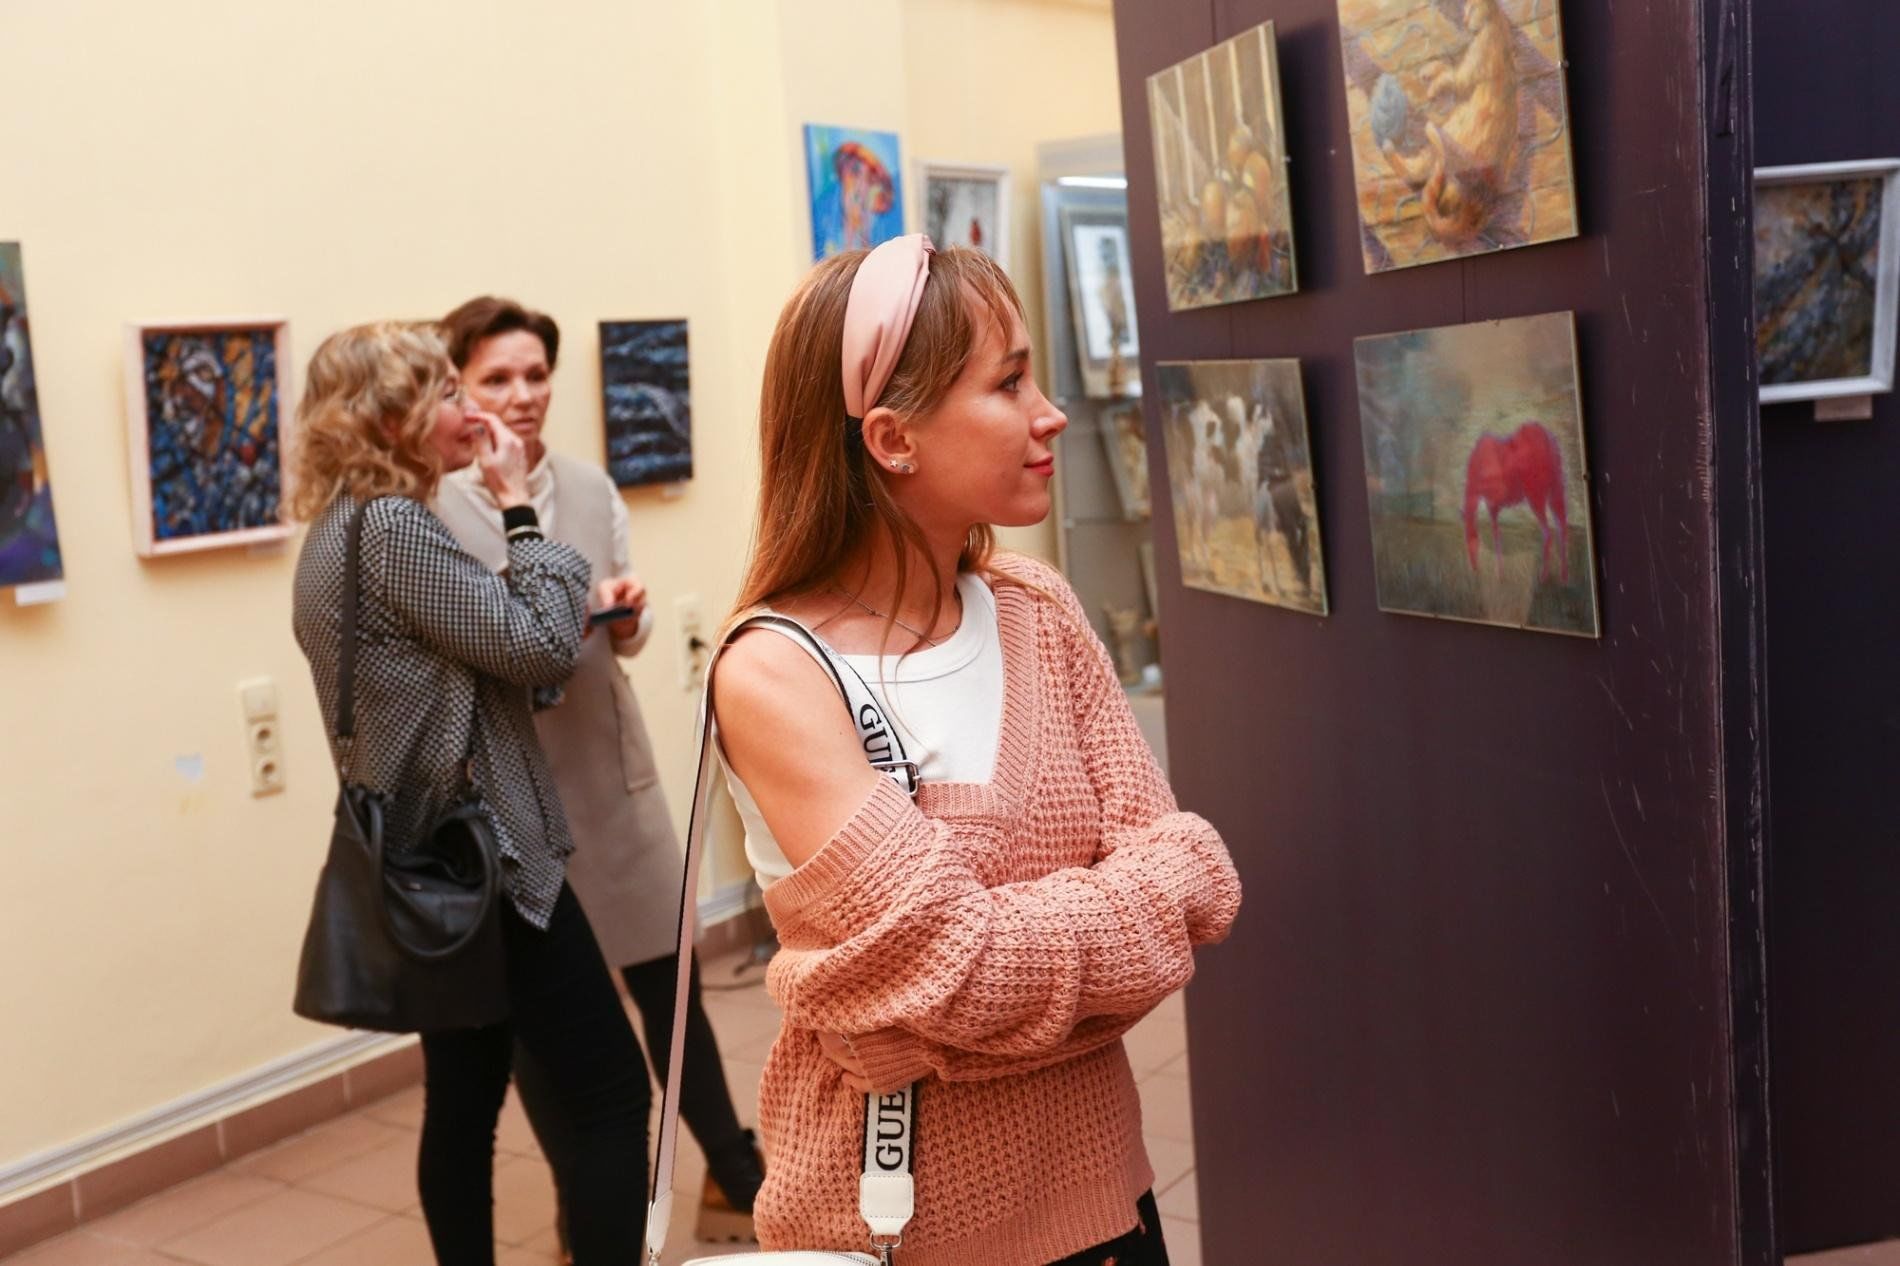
(890, 937)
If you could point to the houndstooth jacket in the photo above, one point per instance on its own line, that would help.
(444, 643)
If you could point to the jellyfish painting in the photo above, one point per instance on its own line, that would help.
(857, 196)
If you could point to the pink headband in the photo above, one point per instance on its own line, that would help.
(884, 298)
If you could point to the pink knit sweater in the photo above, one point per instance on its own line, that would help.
(995, 940)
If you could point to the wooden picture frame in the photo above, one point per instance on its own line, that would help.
(1787, 287)
(1095, 253)
(206, 453)
(939, 178)
(1126, 448)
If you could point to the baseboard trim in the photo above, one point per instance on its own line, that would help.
(60, 1188)
(191, 1111)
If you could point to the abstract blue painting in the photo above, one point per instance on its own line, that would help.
(210, 400)
(857, 188)
(645, 393)
(29, 540)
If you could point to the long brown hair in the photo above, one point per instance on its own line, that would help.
(368, 406)
(819, 501)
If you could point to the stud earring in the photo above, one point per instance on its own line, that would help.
(902, 468)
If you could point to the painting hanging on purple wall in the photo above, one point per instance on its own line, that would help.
(204, 408)
(29, 539)
(645, 392)
(1460, 127)
(1476, 474)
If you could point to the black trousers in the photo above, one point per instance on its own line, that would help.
(1140, 1247)
(565, 1010)
(705, 1098)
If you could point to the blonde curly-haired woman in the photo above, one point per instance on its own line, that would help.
(451, 657)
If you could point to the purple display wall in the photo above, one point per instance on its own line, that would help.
(1825, 91)
(1495, 994)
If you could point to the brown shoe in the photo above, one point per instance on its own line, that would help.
(725, 1216)
(719, 1222)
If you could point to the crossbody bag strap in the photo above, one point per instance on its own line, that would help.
(886, 1194)
(346, 637)
(346, 655)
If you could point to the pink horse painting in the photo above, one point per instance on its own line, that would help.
(1525, 468)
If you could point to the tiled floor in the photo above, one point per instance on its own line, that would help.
(1887, 1254)
(344, 1194)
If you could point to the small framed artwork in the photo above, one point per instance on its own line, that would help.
(1827, 279)
(645, 393)
(1102, 300)
(1220, 174)
(205, 419)
(1125, 441)
(967, 206)
(857, 188)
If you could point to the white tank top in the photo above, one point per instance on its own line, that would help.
(945, 702)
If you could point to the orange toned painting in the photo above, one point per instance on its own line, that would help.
(1460, 127)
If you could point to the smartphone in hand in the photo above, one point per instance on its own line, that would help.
(612, 615)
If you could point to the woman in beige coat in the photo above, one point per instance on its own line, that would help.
(626, 865)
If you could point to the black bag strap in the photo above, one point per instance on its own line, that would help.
(346, 654)
(346, 636)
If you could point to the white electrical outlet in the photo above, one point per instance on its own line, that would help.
(267, 775)
(690, 641)
(261, 738)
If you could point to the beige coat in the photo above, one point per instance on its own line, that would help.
(626, 866)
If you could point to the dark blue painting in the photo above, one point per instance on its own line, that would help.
(29, 541)
(214, 447)
(644, 390)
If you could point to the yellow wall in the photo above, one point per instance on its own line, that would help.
(600, 159)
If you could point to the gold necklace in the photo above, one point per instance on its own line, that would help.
(919, 634)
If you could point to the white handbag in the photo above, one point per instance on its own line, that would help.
(885, 1190)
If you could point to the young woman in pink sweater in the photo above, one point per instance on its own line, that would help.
(992, 938)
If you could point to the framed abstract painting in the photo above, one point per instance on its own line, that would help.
(645, 387)
(29, 538)
(205, 419)
(1827, 278)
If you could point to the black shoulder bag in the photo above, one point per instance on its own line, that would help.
(403, 940)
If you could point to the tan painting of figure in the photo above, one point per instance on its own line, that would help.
(1460, 128)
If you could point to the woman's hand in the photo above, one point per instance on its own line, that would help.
(503, 460)
(622, 591)
(839, 1052)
